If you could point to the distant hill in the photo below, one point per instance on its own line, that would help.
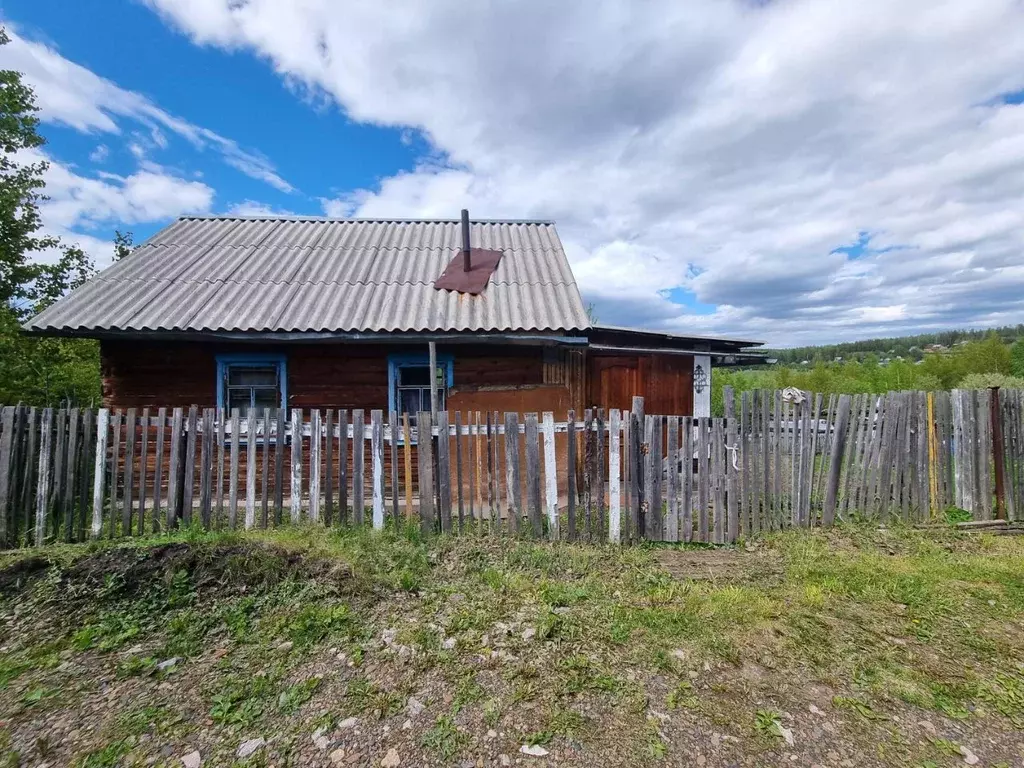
(908, 347)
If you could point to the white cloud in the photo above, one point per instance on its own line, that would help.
(99, 205)
(70, 94)
(255, 208)
(100, 154)
(727, 148)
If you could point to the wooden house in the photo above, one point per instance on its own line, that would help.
(301, 312)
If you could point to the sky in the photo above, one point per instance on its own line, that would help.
(794, 171)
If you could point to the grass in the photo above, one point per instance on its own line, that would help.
(884, 620)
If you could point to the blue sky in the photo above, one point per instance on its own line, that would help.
(313, 146)
(712, 167)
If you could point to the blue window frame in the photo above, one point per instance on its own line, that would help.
(409, 381)
(252, 381)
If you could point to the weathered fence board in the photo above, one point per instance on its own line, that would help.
(771, 462)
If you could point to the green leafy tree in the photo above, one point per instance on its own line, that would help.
(1017, 358)
(123, 244)
(35, 268)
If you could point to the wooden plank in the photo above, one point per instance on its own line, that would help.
(813, 465)
(473, 446)
(295, 486)
(43, 491)
(570, 472)
(30, 463)
(144, 422)
(777, 469)
(983, 419)
(425, 475)
(458, 471)
(358, 465)
(922, 467)
(828, 512)
(650, 528)
(57, 503)
(396, 515)
(719, 457)
(600, 516)
(281, 438)
(250, 468)
(236, 447)
(587, 493)
(686, 511)
(70, 463)
(343, 465)
(732, 530)
(637, 475)
(377, 467)
(444, 472)
(531, 437)
(625, 450)
(657, 506)
(824, 448)
(7, 468)
(846, 483)
(173, 469)
(221, 421)
(407, 438)
(84, 471)
(744, 444)
(205, 475)
(265, 470)
(703, 478)
(329, 467)
(492, 424)
(315, 445)
(131, 423)
(671, 529)
(188, 486)
(13, 466)
(513, 473)
(480, 444)
(614, 472)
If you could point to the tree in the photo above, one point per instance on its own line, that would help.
(123, 244)
(1017, 358)
(35, 268)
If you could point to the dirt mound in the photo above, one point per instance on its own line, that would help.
(126, 571)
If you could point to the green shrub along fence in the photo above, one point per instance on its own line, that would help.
(777, 459)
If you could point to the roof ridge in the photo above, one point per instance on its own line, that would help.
(357, 220)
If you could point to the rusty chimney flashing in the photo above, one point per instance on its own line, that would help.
(467, 262)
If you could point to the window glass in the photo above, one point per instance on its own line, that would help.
(249, 376)
(414, 375)
(251, 385)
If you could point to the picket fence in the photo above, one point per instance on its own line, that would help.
(776, 459)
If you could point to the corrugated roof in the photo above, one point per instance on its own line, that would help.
(321, 275)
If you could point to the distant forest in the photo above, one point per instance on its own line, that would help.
(907, 347)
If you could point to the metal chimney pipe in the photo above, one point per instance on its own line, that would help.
(466, 261)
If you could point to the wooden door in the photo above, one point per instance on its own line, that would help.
(614, 382)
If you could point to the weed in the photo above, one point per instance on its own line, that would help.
(862, 708)
(444, 739)
(682, 696)
(294, 696)
(768, 722)
(539, 738)
(492, 712)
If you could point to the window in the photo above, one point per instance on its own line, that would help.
(251, 381)
(409, 382)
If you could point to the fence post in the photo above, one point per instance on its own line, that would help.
(550, 474)
(614, 501)
(828, 514)
(995, 413)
